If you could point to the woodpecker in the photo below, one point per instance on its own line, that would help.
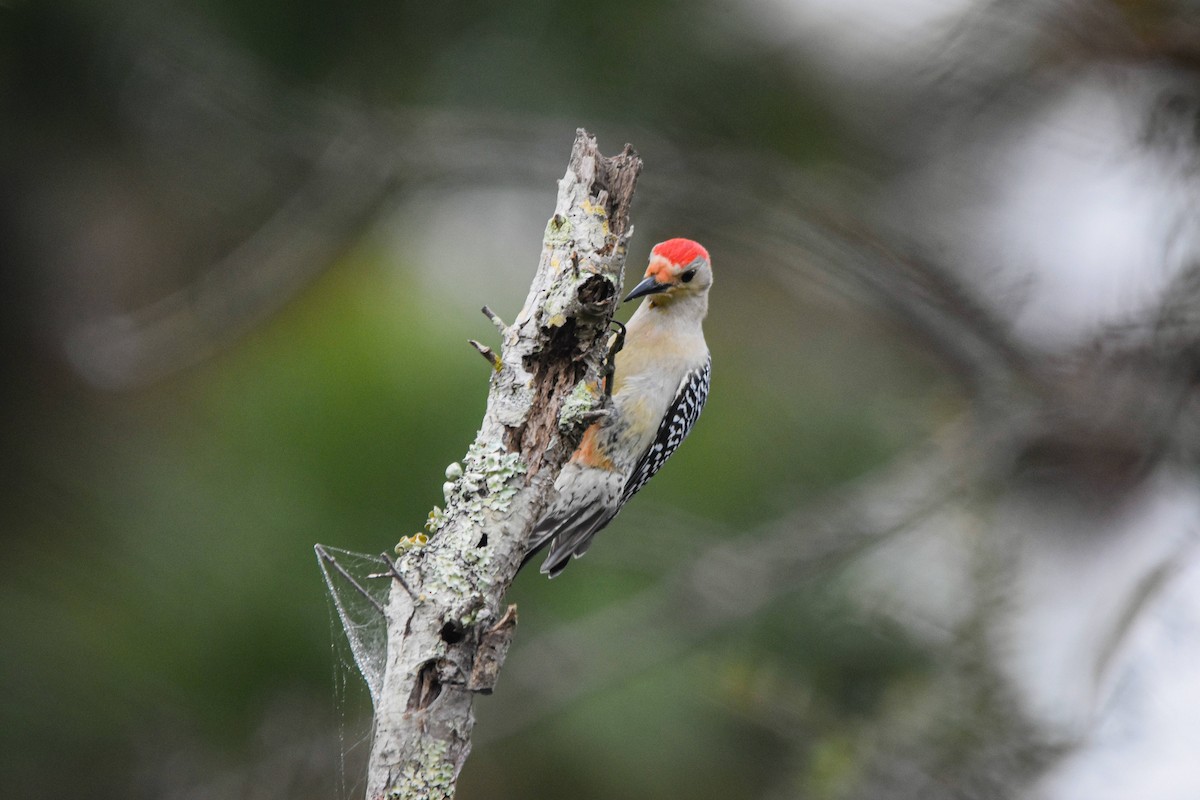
(659, 384)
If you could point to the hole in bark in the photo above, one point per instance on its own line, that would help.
(452, 632)
(596, 292)
(482, 541)
(427, 688)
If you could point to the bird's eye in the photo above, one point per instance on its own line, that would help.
(687, 276)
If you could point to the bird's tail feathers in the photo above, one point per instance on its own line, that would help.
(568, 536)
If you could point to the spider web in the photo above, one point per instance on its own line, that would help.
(358, 588)
(357, 591)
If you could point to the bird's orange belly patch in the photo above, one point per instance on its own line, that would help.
(589, 452)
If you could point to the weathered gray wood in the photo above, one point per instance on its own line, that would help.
(448, 630)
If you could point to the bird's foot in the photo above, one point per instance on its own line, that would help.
(610, 361)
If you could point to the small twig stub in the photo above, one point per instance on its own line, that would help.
(487, 353)
(499, 323)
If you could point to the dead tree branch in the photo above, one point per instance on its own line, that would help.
(448, 630)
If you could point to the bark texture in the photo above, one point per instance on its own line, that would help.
(448, 630)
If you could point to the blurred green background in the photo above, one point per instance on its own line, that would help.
(164, 628)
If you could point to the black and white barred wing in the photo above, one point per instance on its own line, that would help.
(678, 421)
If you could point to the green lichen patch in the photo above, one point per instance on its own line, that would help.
(491, 467)
(483, 482)
(407, 543)
(558, 231)
(450, 574)
(583, 399)
(429, 775)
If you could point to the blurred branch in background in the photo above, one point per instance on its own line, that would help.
(734, 580)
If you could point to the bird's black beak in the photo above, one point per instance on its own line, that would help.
(648, 286)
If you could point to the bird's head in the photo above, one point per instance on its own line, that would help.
(678, 268)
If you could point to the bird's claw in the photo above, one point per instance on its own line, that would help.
(610, 361)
